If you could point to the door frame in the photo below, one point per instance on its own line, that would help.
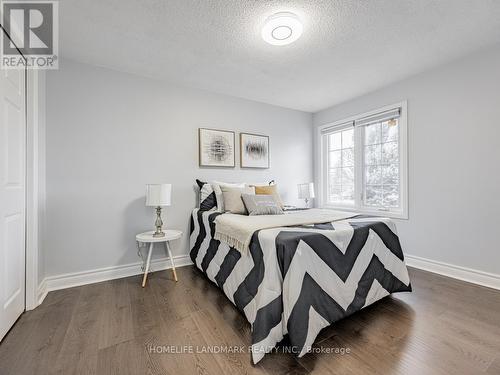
(35, 182)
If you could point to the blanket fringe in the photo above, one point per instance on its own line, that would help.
(231, 241)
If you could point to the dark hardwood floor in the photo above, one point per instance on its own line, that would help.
(444, 327)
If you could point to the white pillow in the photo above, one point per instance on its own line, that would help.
(256, 184)
(218, 192)
(233, 202)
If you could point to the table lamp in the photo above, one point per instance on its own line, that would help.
(306, 192)
(158, 195)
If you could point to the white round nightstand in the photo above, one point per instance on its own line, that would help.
(147, 237)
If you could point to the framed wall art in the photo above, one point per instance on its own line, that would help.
(254, 150)
(216, 148)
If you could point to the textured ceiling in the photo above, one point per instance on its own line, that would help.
(348, 47)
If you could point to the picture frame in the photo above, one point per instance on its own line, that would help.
(216, 148)
(254, 151)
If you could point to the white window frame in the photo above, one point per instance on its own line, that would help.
(322, 165)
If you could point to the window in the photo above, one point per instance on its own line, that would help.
(363, 163)
(341, 166)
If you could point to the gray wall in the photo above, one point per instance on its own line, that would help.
(454, 159)
(110, 133)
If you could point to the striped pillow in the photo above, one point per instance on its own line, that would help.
(207, 196)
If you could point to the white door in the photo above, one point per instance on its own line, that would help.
(12, 197)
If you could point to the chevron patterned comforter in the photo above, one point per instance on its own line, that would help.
(297, 280)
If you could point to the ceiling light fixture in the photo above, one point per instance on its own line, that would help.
(281, 29)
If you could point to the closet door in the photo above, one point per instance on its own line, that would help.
(12, 196)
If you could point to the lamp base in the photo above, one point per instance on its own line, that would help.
(158, 224)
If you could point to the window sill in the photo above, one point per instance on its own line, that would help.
(364, 211)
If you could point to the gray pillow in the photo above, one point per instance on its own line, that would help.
(261, 205)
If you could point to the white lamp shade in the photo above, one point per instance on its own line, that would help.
(306, 191)
(158, 194)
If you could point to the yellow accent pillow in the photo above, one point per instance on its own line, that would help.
(270, 190)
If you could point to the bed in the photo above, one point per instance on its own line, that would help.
(296, 280)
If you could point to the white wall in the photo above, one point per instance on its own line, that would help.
(110, 133)
(454, 159)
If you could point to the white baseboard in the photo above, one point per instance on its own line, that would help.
(42, 292)
(70, 280)
(470, 275)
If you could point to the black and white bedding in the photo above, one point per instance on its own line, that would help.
(295, 281)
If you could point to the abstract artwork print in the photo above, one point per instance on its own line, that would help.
(216, 148)
(254, 151)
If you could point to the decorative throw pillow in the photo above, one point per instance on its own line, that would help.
(207, 196)
(216, 185)
(270, 190)
(261, 205)
(232, 199)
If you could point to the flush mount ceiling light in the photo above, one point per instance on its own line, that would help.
(281, 29)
